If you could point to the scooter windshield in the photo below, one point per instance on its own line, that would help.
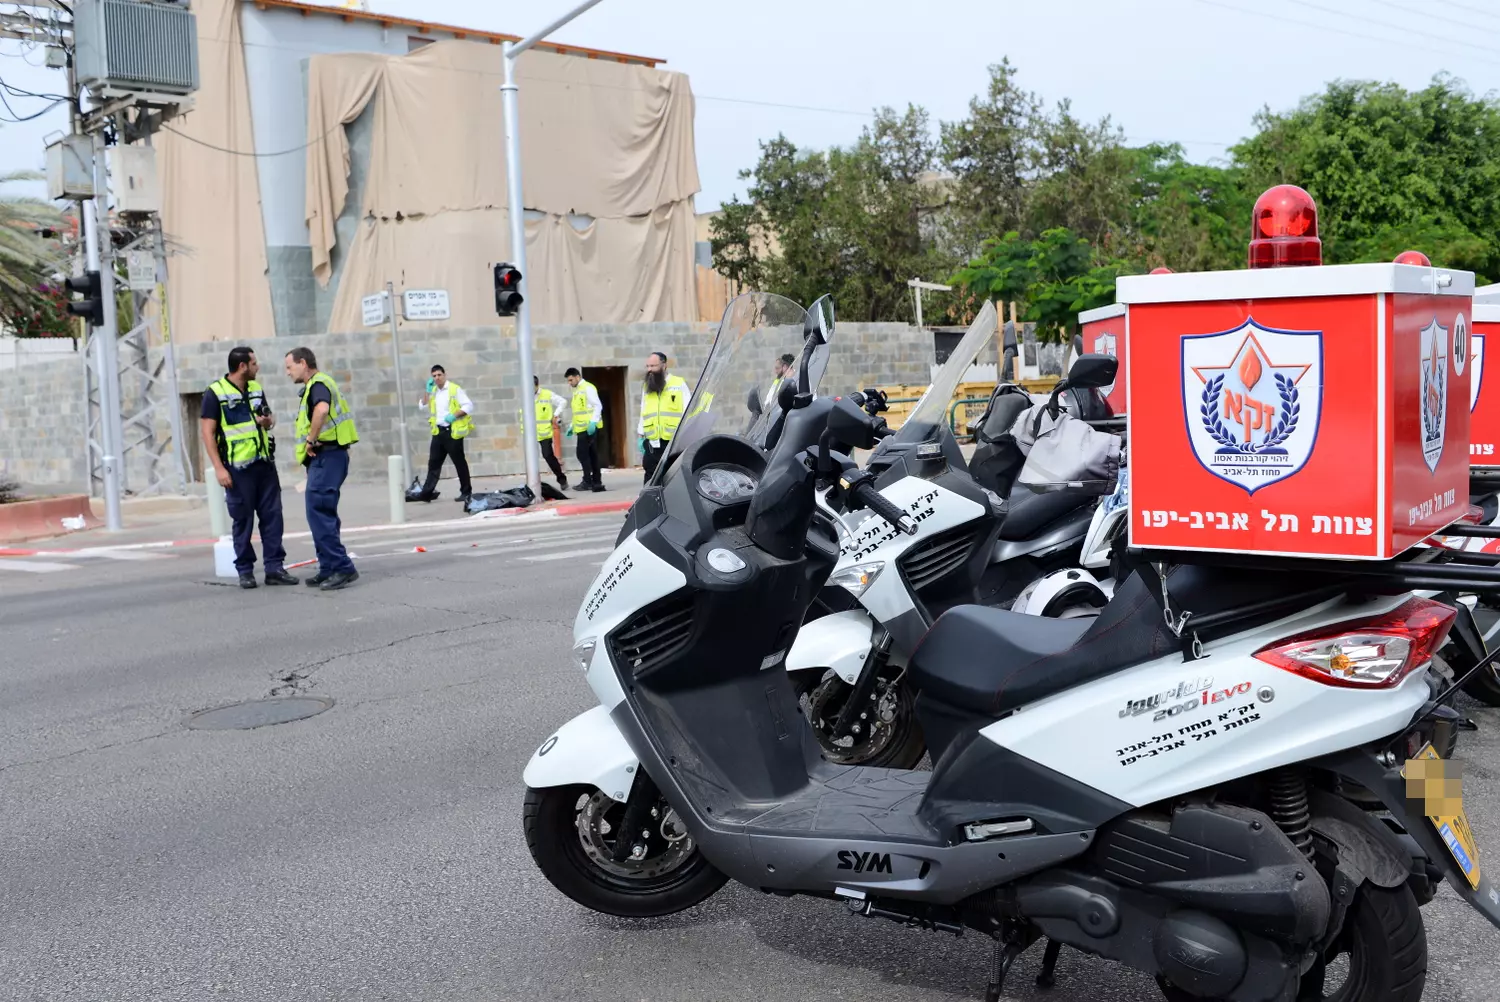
(927, 419)
(738, 392)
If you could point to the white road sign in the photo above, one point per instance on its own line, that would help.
(425, 304)
(140, 269)
(373, 308)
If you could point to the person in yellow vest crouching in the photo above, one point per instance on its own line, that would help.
(450, 413)
(549, 407)
(663, 401)
(588, 420)
(325, 431)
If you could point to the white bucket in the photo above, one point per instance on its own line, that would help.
(224, 558)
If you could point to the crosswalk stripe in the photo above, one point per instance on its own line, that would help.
(568, 554)
(34, 566)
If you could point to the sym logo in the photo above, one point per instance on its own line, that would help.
(865, 862)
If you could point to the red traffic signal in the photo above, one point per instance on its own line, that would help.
(507, 289)
(91, 306)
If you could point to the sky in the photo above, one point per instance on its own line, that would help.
(1189, 71)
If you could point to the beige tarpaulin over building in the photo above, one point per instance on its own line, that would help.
(211, 200)
(608, 167)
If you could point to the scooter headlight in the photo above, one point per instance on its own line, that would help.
(857, 578)
(583, 653)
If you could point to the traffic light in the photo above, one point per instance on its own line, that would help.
(507, 290)
(91, 306)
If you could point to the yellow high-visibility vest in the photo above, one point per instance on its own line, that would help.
(662, 412)
(338, 428)
(459, 428)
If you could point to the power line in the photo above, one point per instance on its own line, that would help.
(244, 153)
(1394, 27)
(1283, 20)
(16, 119)
(1471, 10)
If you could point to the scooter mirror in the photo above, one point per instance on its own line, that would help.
(1093, 371)
(819, 321)
(752, 402)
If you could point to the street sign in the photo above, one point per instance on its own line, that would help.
(140, 270)
(425, 304)
(373, 308)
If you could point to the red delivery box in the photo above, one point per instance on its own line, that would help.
(1484, 385)
(1103, 332)
(1307, 411)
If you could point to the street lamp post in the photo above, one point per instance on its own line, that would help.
(510, 101)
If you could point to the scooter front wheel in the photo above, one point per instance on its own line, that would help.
(573, 831)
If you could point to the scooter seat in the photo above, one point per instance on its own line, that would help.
(991, 661)
(1030, 511)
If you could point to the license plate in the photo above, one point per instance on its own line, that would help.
(1442, 796)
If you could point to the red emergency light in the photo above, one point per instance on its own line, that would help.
(1161, 271)
(1284, 229)
(1414, 257)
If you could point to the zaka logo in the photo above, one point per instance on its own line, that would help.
(1252, 397)
(1107, 344)
(1476, 371)
(1434, 392)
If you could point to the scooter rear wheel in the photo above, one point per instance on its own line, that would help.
(1381, 956)
(569, 833)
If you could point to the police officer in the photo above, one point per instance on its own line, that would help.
(233, 425)
(588, 419)
(450, 414)
(325, 430)
(663, 400)
(549, 408)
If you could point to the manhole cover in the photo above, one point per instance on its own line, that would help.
(258, 713)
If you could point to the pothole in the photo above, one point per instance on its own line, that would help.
(258, 713)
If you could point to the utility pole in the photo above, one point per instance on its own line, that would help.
(510, 100)
(101, 259)
(390, 305)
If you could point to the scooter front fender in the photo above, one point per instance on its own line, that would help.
(841, 641)
(588, 751)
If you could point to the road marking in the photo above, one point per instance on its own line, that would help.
(34, 566)
(136, 555)
(569, 554)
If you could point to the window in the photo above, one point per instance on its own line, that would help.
(415, 42)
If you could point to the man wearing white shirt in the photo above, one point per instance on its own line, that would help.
(587, 421)
(450, 413)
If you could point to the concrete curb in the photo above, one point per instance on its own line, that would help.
(512, 514)
(23, 520)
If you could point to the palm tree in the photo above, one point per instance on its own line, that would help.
(25, 258)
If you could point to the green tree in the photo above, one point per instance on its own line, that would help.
(27, 260)
(992, 157)
(1390, 168)
(1055, 276)
(1185, 216)
(1085, 178)
(846, 221)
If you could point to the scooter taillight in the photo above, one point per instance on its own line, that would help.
(1367, 654)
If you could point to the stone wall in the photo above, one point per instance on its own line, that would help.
(41, 408)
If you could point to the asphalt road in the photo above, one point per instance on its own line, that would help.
(374, 851)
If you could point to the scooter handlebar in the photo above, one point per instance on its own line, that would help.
(865, 493)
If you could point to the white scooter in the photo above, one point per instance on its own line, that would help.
(1186, 784)
(849, 659)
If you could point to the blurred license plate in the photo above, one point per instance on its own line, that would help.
(1444, 806)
